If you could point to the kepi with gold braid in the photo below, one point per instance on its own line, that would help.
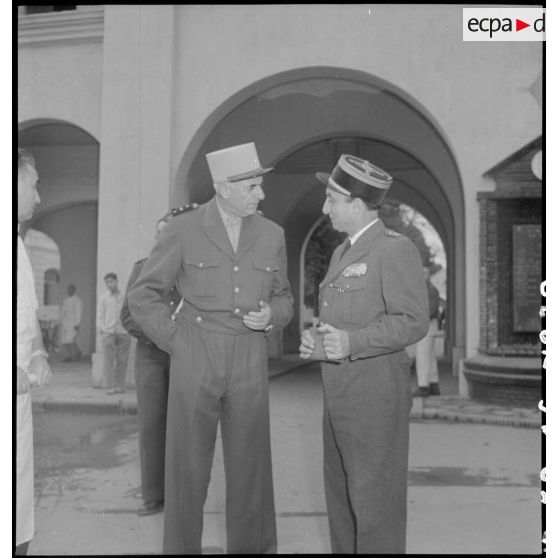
(358, 178)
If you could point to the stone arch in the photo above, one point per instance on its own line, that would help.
(67, 160)
(290, 112)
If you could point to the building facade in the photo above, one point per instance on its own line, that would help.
(119, 104)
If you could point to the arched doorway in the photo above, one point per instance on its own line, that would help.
(301, 121)
(44, 256)
(67, 160)
(413, 185)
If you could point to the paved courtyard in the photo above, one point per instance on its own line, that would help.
(473, 488)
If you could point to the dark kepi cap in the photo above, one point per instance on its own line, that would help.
(358, 178)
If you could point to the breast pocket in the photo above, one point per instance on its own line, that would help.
(201, 275)
(351, 299)
(264, 268)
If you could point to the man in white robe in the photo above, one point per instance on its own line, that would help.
(70, 319)
(32, 364)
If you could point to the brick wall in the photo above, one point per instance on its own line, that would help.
(509, 395)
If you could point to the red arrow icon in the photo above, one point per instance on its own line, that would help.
(519, 25)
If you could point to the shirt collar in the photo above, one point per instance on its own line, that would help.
(356, 236)
(225, 216)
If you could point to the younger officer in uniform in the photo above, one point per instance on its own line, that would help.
(152, 367)
(373, 304)
(229, 265)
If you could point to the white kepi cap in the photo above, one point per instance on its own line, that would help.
(232, 164)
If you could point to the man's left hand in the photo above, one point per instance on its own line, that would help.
(258, 321)
(39, 371)
(336, 342)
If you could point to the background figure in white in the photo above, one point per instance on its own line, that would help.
(70, 319)
(32, 364)
(425, 360)
(115, 340)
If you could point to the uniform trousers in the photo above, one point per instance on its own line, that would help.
(116, 348)
(152, 389)
(218, 377)
(366, 447)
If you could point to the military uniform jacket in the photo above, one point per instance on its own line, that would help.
(172, 301)
(377, 293)
(218, 285)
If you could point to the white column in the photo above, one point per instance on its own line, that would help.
(134, 182)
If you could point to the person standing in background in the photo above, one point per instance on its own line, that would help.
(114, 338)
(70, 319)
(152, 366)
(425, 359)
(32, 363)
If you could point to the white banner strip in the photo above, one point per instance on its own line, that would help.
(503, 24)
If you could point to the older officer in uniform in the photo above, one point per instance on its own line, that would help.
(229, 265)
(373, 303)
(152, 367)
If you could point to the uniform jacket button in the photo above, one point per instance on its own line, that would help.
(237, 289)
(198, 319)
(235, 268)
(237, 310)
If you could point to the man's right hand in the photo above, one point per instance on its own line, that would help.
(307, 344)
(23, 385)
(39, 371)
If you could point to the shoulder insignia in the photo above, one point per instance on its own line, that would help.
(268, 218)
(389, 232)
(183, 208)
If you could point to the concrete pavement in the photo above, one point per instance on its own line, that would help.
(473, 488)
(71, 390)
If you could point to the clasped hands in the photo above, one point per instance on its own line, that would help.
(336, 343)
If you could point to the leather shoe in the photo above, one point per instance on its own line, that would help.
(421, 392)
(434, 388)
(150, 508)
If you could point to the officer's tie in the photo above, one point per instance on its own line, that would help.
(345, 248)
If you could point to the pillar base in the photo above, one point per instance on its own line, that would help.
(511, 381)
